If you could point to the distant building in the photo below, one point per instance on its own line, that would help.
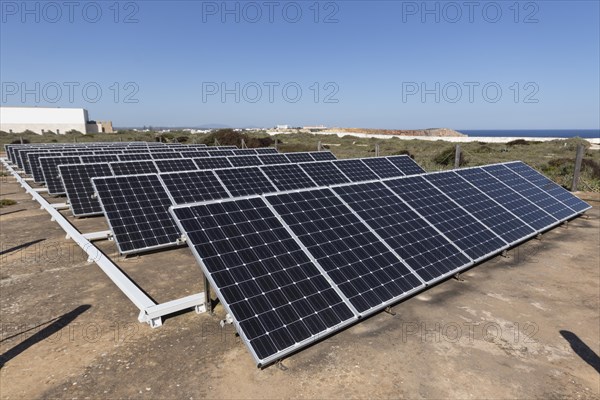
(50, 120)
(317, 127)
(283, 127)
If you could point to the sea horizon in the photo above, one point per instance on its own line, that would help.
(557, 133)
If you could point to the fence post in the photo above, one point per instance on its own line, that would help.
(276, 144)
(578, 160)
(376, 149)
(457, 157)
(319, 146)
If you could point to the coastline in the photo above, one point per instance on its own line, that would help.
(455, 139)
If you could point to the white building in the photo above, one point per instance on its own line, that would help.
(46, 119)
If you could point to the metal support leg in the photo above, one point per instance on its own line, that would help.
(538, 236)
(505, 254)
(207, 298)
(458, 277)
(389, 310)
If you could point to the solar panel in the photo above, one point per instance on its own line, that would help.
(136, 208)
(245, 181)
(178, 164)
(455, 223)
(267, 150)
(165, 155)
(288, 177)
(194, 154)
(508, 198)
(277, 297)
(558, 192)
(245, 161)
(244, 152)
(487, 211)
(133, 167)
(220, 153)
(212, 162)
(135, 156)
(299, 157)
(406, 165)
(382, 167)
(519, 184)
(323, 156)
(34, 165)
(324, 173)
(355, 170)
(49, 167)
(423, 248)
(99, 158)
(77, 180)
(364, 269)
(269, 159)
(190, 187)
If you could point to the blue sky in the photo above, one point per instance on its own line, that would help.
(378, 64)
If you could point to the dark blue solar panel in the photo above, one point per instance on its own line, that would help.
(356, 170)
(49, 166)
(324, 173)
(549, 187)
(268, 159)
(245, 161)
(288, 177)
(191, 187)
(133, 167)
(135, 156)
(136, 208)
(212, 163)
(245, 181)
(278, 298)
(423, 248)
(77, 180)
(406, 165)
(508, 198)
(177, 164)
(519, 184)
(382, 167)
(455, 223)
(363, 268)
(482, 207)
(323, 156)
(299, 157)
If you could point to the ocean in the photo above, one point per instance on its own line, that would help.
(558, 133)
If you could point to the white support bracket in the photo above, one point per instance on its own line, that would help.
(28, 179)
(60, 206)
(153, 314)
(227, 321)
(39, 190)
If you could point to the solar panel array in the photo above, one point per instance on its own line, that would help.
(295, 266)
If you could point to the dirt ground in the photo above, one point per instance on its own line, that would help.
(525, 326)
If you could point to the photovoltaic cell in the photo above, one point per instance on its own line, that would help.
(212, 163)
(324, 173)
(548, 186)
(406, 164)
(277, 297)
(422, 247)
(77, 180)
(244, 152)
(177, 164)
(49, 167)
(362, 267)
(356, 170)
(245, 181)
(519, 184)
(133, 167)
(288, 177)
(195, 186)
(136, 208)
(482, 207)
(382, 167)
(508, 198)
(461, 228)
(194, 154)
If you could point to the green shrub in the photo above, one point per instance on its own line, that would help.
(446, 157)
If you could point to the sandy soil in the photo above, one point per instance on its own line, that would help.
(526, 326)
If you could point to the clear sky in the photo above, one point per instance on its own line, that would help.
(378, 64)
